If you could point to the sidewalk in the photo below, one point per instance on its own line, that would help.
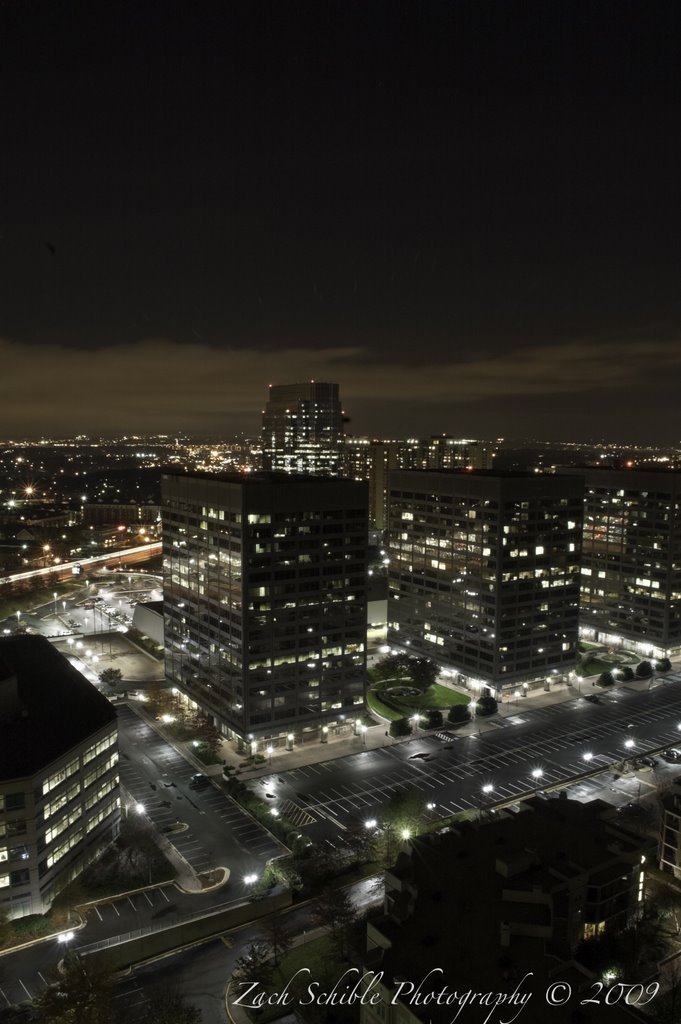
(314, 751)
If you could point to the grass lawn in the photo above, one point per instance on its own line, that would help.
(377, 705)
(435, 696)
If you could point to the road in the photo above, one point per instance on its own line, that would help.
(451, 771)
(219, 833)
(201, 973)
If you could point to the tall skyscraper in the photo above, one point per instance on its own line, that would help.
(631, 559)
(302, 429)
(266, 599)
(484, 573)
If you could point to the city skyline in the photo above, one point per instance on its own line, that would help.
(465, 214)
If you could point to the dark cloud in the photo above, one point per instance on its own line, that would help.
(160, 386)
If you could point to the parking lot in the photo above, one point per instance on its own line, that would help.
(218, 832)
(529, 751)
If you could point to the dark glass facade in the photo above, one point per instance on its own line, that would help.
(484, 572)
(265, 598)
(302, 429)
(631, 557)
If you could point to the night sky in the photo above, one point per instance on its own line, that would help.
(466, 213)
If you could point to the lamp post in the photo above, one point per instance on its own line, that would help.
(54, 595)
(485, 791)
(364, 735)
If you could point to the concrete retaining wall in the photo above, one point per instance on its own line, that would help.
(146, 947)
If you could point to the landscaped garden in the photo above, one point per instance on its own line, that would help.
(401, 686)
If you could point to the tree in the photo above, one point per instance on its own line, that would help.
(423, 672)
(458, 714)
(434, 718)
(626, 673)
(81, 993)
(211, 737)
(361, 841)
(254, 965)
(276, 937)
(404, 811)
(400, 727)
(606, 679)
(333, 909)
(644, 670)
(170, 1008)
(663, 665)
(111, 677)
(486, 705)
(5, 927)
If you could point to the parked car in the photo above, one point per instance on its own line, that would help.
(199, 781)
(649, 762)
(672, 756)
(593, 698)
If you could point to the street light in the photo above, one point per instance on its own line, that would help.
(630, 743)
(405, 833)
(364, 735)
(54, 595)
(370, 823)
(269, 754)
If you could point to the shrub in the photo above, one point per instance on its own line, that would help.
(663, 665)
(606, 679)
(459, 714)
(626, 673)
(486, 705)
(644, 670)
(433, 719)
(400, 727)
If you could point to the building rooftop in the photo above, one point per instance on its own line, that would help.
(261, 477)
(50, 710)
(456, 893)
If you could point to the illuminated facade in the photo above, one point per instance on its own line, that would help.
(374, 461)
(302, 429)
(484, 573)
(631, 559)
(59, 787)
(265, 599)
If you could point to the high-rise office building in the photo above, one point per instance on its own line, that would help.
(265, 599)
(631, 559)
(302, 429)
(375, 460)
(484, 573)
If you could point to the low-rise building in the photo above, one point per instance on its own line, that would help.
(59, 787)
(478, 908)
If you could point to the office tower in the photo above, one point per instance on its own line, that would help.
(302, 429)
(484, 573)
(265, 599)
(59, 796)
(374, 460)
(631, 559)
